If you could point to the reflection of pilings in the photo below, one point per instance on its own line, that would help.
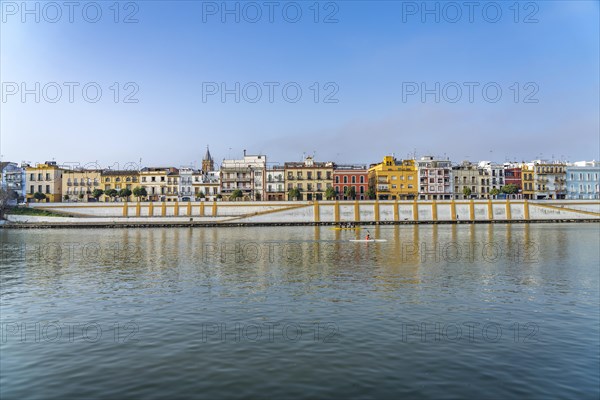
(378, 249)
(415, 210)
(471, 233)
(453, 234)
(472, 210)
(397, 254)
(416, 234)
(434, 235)
(509, 245)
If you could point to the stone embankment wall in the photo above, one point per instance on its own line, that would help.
(323, 212)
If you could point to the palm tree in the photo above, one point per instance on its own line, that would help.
(330, 193)
(371, 194)
(236, 194)
(350, 192)
(294, 193)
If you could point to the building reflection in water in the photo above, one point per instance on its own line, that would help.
(305, 258)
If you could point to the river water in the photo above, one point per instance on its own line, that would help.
(452, 311)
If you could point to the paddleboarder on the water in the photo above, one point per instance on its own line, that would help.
(368, 237)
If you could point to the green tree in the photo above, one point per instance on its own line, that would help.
(139, 192)
(39, 196)
(219, 196)
(81, 196)
(371, 194)
(200, 195)
(494, 192)
(350, 192)
(510, 189)
(330, 193)
(467, 191)
(125, 193)
(97, 193)
(112, 193)
(236, 194)
(65, 197)
(294, 194)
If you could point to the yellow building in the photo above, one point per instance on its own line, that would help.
(119, 180)
(527, 172)
(394, 180)
(311, 178)
(79, 185)
(44, 178)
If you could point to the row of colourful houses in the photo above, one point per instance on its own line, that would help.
(252, 178)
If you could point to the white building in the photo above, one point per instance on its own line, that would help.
(246, 174)
(186, 180)
(13, 181)
(435, 178)
(275, 183)
(583, 180)
(549, 179)
(207, 185)
(495, 173)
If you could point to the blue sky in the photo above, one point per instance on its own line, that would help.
(370, 57)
